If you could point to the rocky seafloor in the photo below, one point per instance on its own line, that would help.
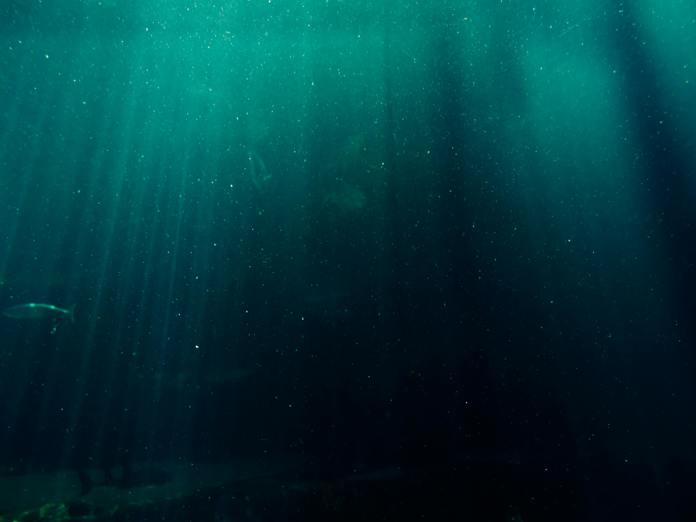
(231, 492)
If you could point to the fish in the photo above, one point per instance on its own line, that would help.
(39, 311)
(258, 171)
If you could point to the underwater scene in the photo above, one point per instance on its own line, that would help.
(366, 260)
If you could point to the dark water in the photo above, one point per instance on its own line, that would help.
(439, 257)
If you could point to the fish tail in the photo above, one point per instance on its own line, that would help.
(86, 482)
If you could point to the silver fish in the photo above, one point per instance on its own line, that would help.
(39, 311)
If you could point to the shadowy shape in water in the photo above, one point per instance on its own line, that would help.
(124, 477)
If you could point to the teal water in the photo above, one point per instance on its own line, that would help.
(448, 238)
